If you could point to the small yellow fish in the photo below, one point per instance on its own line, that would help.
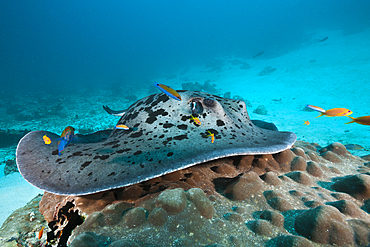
(335, 112)
(169, 91)
(306, 122)
(212, 135)
(196, 120)
(46, 139)
(121, 127)
(41, 232)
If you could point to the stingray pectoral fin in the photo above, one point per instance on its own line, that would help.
(113, 112)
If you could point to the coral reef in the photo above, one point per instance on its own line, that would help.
(298, 197)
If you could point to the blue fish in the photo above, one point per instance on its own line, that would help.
(65, 139)
(169, 91)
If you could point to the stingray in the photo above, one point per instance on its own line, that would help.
(162, 139)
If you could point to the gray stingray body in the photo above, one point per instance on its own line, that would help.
(164, 139)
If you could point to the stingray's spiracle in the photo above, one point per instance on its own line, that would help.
(209, 102)
(196, 107)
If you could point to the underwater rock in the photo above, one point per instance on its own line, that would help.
(261, 110)
(349, 208)
(289, 241)
(332, 157)
(300, 177)
(267, 71)
(275, 218)
(246, 186)
(22, 225)
(10, 167)
(271, 178)
(326, 225)
(357, 186)
(173, 201)
(314, 169)
(298, 164)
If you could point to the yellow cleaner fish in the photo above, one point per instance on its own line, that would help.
(335, 112)
(121, 127)
(46, 139)
(306, 122)
(212, 135)
(196, 120)
(169, 91)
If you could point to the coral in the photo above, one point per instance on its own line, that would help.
(292, 198)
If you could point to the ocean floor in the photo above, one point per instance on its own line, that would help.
(329, 74)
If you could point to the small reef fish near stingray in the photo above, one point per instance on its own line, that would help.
(212, 135)
(65, 139)
(46, 139)
(169, 91)
(353, 147)
(121, 127)
(196, 120)
(335, 112)
(306, 122)
(365, 120)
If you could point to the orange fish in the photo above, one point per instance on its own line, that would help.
(196, 120)
(212, 135)
(121, 127)
(169, 91)
(41, 232)
(365, 120)
(306, 122)
(46, 139)
(335, 112)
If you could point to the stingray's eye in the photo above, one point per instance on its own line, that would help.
(196, 107)
(209, 102)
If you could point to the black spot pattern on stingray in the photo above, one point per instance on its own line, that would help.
(184, 118)
(153, 115)
(85, 164)
(123, 150)
(182, 127)
(167, 140)
(112, 174)
(169, 154)
(220, 122)
(168, 125)
(181, 137)
(77, 154)
(131, 116)
(138, 152)
(136, 134)
(102, 157)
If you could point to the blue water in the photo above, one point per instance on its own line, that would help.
(58, 47)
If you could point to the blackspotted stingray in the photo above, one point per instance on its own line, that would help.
(162, 139)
